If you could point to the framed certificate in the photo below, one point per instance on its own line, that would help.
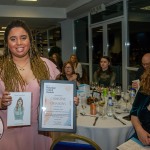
(57, 108)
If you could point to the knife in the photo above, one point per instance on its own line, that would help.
(119, 119)
(95, 121)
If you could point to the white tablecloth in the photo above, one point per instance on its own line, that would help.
(108, 133)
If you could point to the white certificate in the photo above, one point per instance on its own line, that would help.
(57, 108)
(19, 112)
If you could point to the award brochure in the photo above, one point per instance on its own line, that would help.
(57, 108)
(133, 144)
(19, 111)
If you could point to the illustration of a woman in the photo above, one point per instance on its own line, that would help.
(19, 109)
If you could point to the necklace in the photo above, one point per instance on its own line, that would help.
(23, 67)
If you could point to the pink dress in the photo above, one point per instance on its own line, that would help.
(27, 137)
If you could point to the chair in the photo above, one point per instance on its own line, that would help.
(65, 142)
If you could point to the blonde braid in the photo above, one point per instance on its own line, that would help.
(40, 69)
(11, 76)
(13, 80)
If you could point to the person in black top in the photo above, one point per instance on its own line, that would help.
(105, 75)
(140, 112)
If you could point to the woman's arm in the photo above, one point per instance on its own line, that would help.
(113, 79)
(143, 136)
(79, 69)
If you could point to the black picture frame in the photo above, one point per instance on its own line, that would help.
(57, 108)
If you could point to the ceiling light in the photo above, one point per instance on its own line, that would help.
(27, 0)
(146, 8)
(3, 28)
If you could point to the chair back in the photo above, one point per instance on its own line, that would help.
(65, 142)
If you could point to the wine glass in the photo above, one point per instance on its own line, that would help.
(126, 98)
(118, 95)
(101, 104)
(92, 86)
(83, 102)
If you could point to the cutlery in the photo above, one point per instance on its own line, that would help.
(84, 114)
(119, 119)
(95, 121)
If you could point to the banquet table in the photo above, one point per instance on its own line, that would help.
(108, 132)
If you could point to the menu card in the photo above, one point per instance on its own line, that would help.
(133, 144)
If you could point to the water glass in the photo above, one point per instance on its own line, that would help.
(126, 99)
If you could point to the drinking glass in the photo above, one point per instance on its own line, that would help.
(118, 95)
(101, 104)
(83, 102)
(126, 98)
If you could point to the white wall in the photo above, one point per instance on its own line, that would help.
(67, 39)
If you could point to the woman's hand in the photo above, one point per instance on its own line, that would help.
(76, 101)
(73, 77)
(143, 136)
(5, 100)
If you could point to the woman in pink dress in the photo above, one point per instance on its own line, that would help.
(21, 70)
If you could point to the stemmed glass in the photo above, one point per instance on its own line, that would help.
(92, 86)
(101, 104)
(83, 103)
(118, 95)
(126, 98)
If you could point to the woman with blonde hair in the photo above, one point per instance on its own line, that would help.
(76, 64)
(140, 112)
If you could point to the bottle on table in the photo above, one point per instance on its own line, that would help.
(132, 95)
(110, 107)
(93, 109)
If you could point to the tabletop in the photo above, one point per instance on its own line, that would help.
(108, 132)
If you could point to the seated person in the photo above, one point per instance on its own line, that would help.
(140, 112)
(105, 75)
(77, 66)
(145, 63)
(68, 73)
(58, 61)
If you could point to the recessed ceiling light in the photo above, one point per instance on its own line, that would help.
(27, 0)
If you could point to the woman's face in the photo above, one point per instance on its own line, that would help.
(104, 63)
(68, 69)
(54, 57)
(18, 42)
(73, 59)
(19, 102)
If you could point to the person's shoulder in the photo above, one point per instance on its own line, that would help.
(47, 60)
(141, 94)
(140, 69)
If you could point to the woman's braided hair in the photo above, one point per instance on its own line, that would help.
(145, 82)
(8, 70)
